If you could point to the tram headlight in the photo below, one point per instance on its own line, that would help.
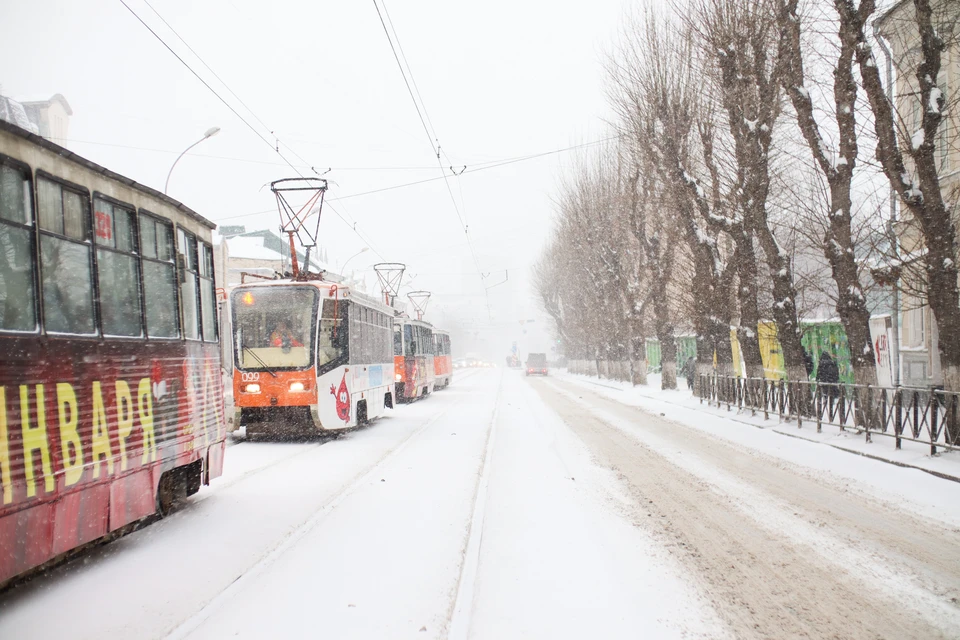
(252, 388)
(399, 377)
(296, 386)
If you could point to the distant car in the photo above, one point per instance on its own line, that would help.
(537, 364)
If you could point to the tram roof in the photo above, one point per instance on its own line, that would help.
(409, 320)
(345, 291)
(65, 153)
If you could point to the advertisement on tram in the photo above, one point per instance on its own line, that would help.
(111, 399)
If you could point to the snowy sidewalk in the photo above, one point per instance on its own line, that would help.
(790, 538)
(829, 451)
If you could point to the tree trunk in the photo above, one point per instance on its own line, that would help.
(838, 243)
(638, 359)
(747, 332)
(668, 345)
(923, 198)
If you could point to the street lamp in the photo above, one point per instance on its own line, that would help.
(344, 267)
(212, 131)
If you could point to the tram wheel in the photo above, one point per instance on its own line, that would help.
(176, 485)
(362, 413)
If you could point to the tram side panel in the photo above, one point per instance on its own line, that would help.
(94, 426)
(442, 361)
(87, 430)
(413, 363)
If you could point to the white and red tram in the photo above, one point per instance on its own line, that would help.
(311, 356)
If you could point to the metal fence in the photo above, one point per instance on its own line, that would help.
(927, 416)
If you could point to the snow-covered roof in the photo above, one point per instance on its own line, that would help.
(251, 248)
(14, 113)
(57, 97)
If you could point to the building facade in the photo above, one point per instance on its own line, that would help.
(919, 349)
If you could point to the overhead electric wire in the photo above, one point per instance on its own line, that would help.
(410, 71)
(432, 132)
(234, 159)
(493, 164)
(205, 83)
(232, 92)
(276, 148)
(426, 130)
(416, 105)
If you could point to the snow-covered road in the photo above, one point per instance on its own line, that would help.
(505, 507)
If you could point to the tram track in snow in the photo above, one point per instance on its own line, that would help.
(212, 605)
(461, 609)
(250, 473)
(192, 503)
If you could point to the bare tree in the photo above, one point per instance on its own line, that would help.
(919, 190)
(739, 38)
(838, 245)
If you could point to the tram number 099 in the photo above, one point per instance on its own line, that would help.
(252, 376)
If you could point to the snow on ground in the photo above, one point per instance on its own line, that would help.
(507, 507)
(908, 488)
(147, 583)
(785, 551)
(557, 559)
(383, 560)
(381, 535)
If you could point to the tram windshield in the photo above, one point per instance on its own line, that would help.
(274, 327)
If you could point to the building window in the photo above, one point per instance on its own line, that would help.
(66, 269)
(118, 269)
(913, 331)
(159, 277)
(189, 284)
(18, 299)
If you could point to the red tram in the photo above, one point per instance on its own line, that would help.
(442, 359)
(111, 401)
(413, 358)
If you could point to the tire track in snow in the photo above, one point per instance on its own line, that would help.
(770, 572)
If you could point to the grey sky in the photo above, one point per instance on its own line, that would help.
(499, 80)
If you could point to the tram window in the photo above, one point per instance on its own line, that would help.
(18, 309)
(50, 204)
(383, 340)
(148, 237)
(14, 196)
(410, 348)
(187, 247)
(74, 215)
(159, 278)
(357, 353)
(118, 273)
(119, 293)
(331, 345)
(208, 296)
(397, 340)
(66, 272)
(67, 286)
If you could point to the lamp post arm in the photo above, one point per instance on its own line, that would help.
(169, 173)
